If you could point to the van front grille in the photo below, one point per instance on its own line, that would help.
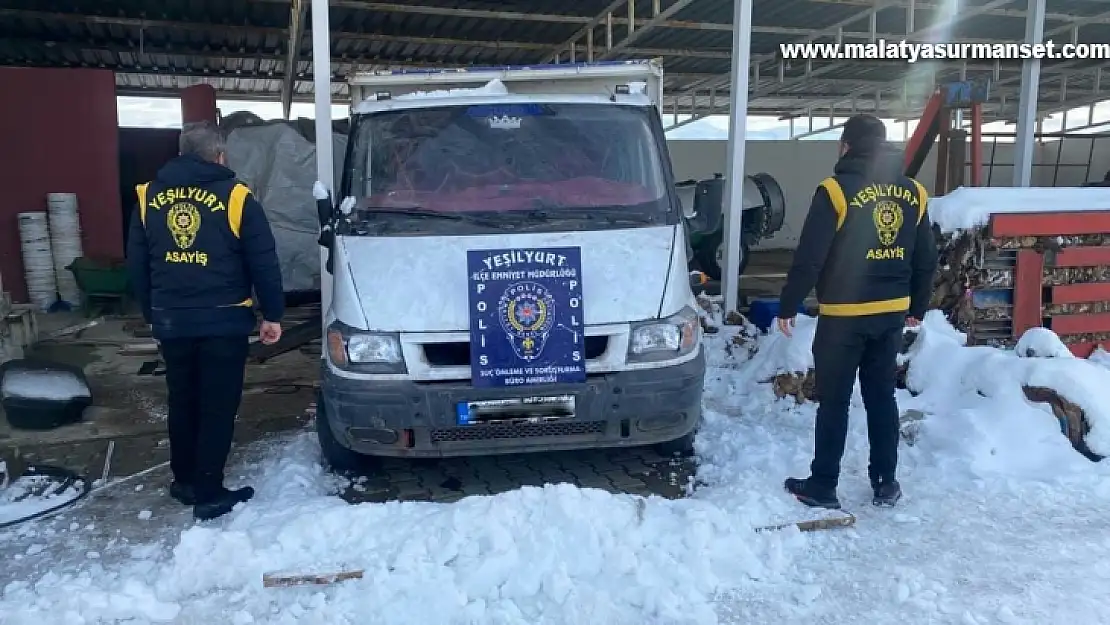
(514, 430)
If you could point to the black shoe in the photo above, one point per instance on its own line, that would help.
(222, 503)
(183, 493)
(887, 492)
(811, 494)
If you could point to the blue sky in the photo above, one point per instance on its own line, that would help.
(166, 113)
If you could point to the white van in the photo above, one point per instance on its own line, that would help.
(509, 268)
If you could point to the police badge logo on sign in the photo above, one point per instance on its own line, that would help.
(527, 313)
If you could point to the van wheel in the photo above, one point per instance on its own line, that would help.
(336, 456)
(682, 446)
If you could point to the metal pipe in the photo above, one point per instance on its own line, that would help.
(1027, 105)
(737, 130)
(325, 170)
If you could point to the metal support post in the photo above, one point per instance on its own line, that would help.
(325, 170)
(1027, 104)
(737, 130)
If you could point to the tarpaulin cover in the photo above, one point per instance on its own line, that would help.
(277, 160)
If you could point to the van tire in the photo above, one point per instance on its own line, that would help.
(336, 456)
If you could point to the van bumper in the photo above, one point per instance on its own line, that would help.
(417, 419)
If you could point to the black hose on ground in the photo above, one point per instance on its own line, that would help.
(67, 479)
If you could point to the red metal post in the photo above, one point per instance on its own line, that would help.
(1028, 276)
(917, 148)
(198, 104)
(976, 145)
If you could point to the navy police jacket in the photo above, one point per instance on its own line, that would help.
(867, 244)
(199, 251)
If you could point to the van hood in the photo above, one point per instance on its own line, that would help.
(419, 284)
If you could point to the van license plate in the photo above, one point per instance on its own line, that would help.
(515, 410)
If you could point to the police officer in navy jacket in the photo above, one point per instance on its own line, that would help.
(201, 257)
(868, 247)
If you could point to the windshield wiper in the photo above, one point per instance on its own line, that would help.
(612, 214)
(416, 211)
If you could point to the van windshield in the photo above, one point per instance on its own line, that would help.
(561, 160)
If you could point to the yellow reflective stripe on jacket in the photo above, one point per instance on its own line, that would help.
(922, 197)
(140, 190)
(898, 304)
(247, 303)
(235, 205)
(836, 196)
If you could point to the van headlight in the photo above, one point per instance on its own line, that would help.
(665, 339)
(364, 352)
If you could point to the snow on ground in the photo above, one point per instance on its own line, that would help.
(1002, 523)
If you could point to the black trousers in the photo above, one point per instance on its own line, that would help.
(842, 346)
(204, 377)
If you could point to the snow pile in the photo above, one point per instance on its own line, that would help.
(971, 207)
(942, 367)
(557, 554)
(1041, 343)
(1100, 357)
(43, 384)
(493, 87)
(938, 370)
(779, 353)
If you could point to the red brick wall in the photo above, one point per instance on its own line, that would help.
(58, 133)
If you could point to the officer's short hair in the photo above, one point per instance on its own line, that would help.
(202, 139)
(863, 132)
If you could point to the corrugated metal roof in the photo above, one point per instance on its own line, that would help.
(240, 46)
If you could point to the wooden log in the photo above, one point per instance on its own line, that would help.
(813, 525)
(802, 387)
(275, 580)
(1070, 415)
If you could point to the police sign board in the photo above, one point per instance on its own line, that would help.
(526, 316)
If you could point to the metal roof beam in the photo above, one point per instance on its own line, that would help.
(951, 20)
(297, 11)
(634, 34)
(554, 52)
(940, 6)
(582, 20)
(237, 31)
(1056, 71)
(877, 6)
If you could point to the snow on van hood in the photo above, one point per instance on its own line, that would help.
(419, 284)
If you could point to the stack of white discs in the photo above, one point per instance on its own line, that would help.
(65, 241)
(38, 261)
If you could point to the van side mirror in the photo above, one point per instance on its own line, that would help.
(325, 211)
(325, 208)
